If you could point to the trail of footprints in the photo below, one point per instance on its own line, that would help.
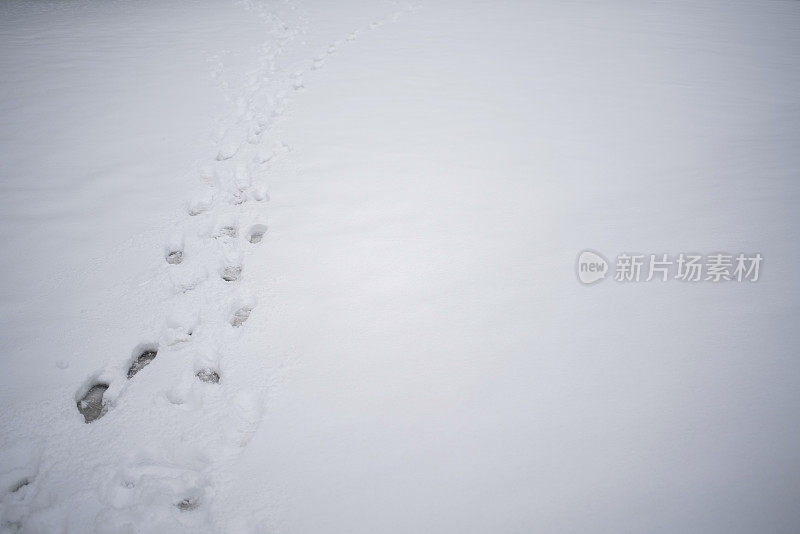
(91, 402)
(230, 185)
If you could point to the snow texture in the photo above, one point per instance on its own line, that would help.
(303, 266)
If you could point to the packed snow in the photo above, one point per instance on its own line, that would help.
(306, 266)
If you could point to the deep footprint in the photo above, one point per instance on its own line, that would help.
(141, 362)
(91, 406)
(209, 376)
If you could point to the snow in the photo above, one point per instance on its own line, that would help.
(348, 233)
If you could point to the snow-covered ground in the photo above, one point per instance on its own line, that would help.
(348, 233)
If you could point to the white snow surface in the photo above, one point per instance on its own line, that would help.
(406, 347)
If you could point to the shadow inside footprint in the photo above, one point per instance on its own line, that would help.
(91, 405)
(256, 233)
(209, 376)
(141, 362)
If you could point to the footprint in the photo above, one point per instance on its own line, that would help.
(262, 123)
(254, 137)
(352, 36)
(256, 233)
(227, 231)
(91, 405)
(185, 279)
(174, 257)
(151, 489)
(228, 148)
(238, 197)
(241, 177)
(242, 305)
(19, 468)
(231, 273)
(206, 366)
(271, 151)
(146, 355)
(180, 325)
(245, 410)
(265, 155)
(259, 193)
(201, 203)
(208, 375)
(174, 249)
(240, 316)
(18, 485)
(188, 504)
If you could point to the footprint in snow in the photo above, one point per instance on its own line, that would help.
(141, 361)
(206, 366)
(19, 469)
(228, 149)
(145, 488)
(201, 203)
(231, 264)
(245, 409)
(180, 325)
(241, 307)
(173, 252)
(237, 197)
(91, 404)
(208, 375)
(227, 231)
(18, 485)
(256, 233)
(174, 257)
(188, 504)
(241, 177)
(189, 278)
(240, 316)
(259, 192)
(231, 273)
